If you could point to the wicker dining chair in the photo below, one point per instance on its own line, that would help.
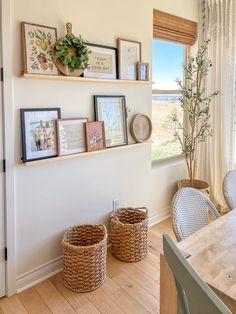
(190, 212)
(194, 294)
(229, 189)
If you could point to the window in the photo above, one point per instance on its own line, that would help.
(172, 35)
(168, 59)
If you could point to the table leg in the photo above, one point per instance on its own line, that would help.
(168, 293)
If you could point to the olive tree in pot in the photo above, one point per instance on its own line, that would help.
(195, 104)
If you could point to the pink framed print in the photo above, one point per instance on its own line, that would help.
(95, 135)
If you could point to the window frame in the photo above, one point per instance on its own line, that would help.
(177, 157)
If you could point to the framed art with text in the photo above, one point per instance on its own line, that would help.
(71, 136)
(112, 110)
(102, 62)
(38, 131)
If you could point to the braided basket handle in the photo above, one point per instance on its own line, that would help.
(114, 216)
(101, 226)
(143, 208)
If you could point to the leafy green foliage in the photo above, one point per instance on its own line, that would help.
(63, 52)
(196, 107)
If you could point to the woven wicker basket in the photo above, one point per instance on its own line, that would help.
(84, 257)
(202, 186)
(129, 233)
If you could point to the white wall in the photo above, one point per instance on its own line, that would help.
(54, 196)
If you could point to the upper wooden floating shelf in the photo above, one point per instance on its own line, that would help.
(80, 79)
(106, 150)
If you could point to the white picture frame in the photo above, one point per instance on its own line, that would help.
(129, 53)
(71, 138)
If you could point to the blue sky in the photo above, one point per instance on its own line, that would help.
(167, 64)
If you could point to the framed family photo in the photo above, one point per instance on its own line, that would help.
(95, 136)
(38, 42)
(129, 52)
(71, 136)
(38, 131)
(102, 62)
(112, 110)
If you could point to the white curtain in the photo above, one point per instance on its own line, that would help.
(217, 155)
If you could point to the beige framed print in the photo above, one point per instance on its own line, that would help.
(71, 136)
(129, 53)
(143, 71)
(38, 42)
(95, 136)
(102, 62)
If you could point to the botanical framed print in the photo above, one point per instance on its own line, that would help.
(112, 110)
(71, 136)
(38, 130)
(129, 52)
(38, 42)
(143, 71)
(102, 62)
(95, 135)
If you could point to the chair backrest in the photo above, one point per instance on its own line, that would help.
(229, 189)
(194, 294)
(190, 212)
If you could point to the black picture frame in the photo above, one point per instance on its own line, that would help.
(101, 115)
(25, 136)
(103, 76)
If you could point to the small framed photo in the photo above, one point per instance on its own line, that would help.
(143, 71)
(38, 130)
(71, 136)
(102, 62)
(112, 110)
(38, 42)
(95, 135)
(129, 52)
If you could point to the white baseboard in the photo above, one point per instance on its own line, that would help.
(157, 218)
(53, 267)
(38, 274)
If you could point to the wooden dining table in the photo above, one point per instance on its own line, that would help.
(212, 253)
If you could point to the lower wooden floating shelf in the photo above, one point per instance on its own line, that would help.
(106, 150)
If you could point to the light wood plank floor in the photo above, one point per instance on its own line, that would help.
(129, 288)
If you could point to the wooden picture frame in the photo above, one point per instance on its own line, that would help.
(129, 53)
(37, 46)
(112, 110)
(38, 133)
(143, 71)
(103, 62)
(95, 136)
(71, 138)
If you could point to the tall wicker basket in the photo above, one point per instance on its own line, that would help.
(84, 257)
(129, 233)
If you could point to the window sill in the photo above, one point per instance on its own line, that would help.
(167, 162)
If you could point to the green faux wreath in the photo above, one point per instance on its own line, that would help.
(62, 52)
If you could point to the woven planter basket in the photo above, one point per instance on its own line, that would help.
(202, 186)
(129, 233)
(84, 257)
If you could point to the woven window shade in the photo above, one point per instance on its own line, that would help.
(173, 28)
